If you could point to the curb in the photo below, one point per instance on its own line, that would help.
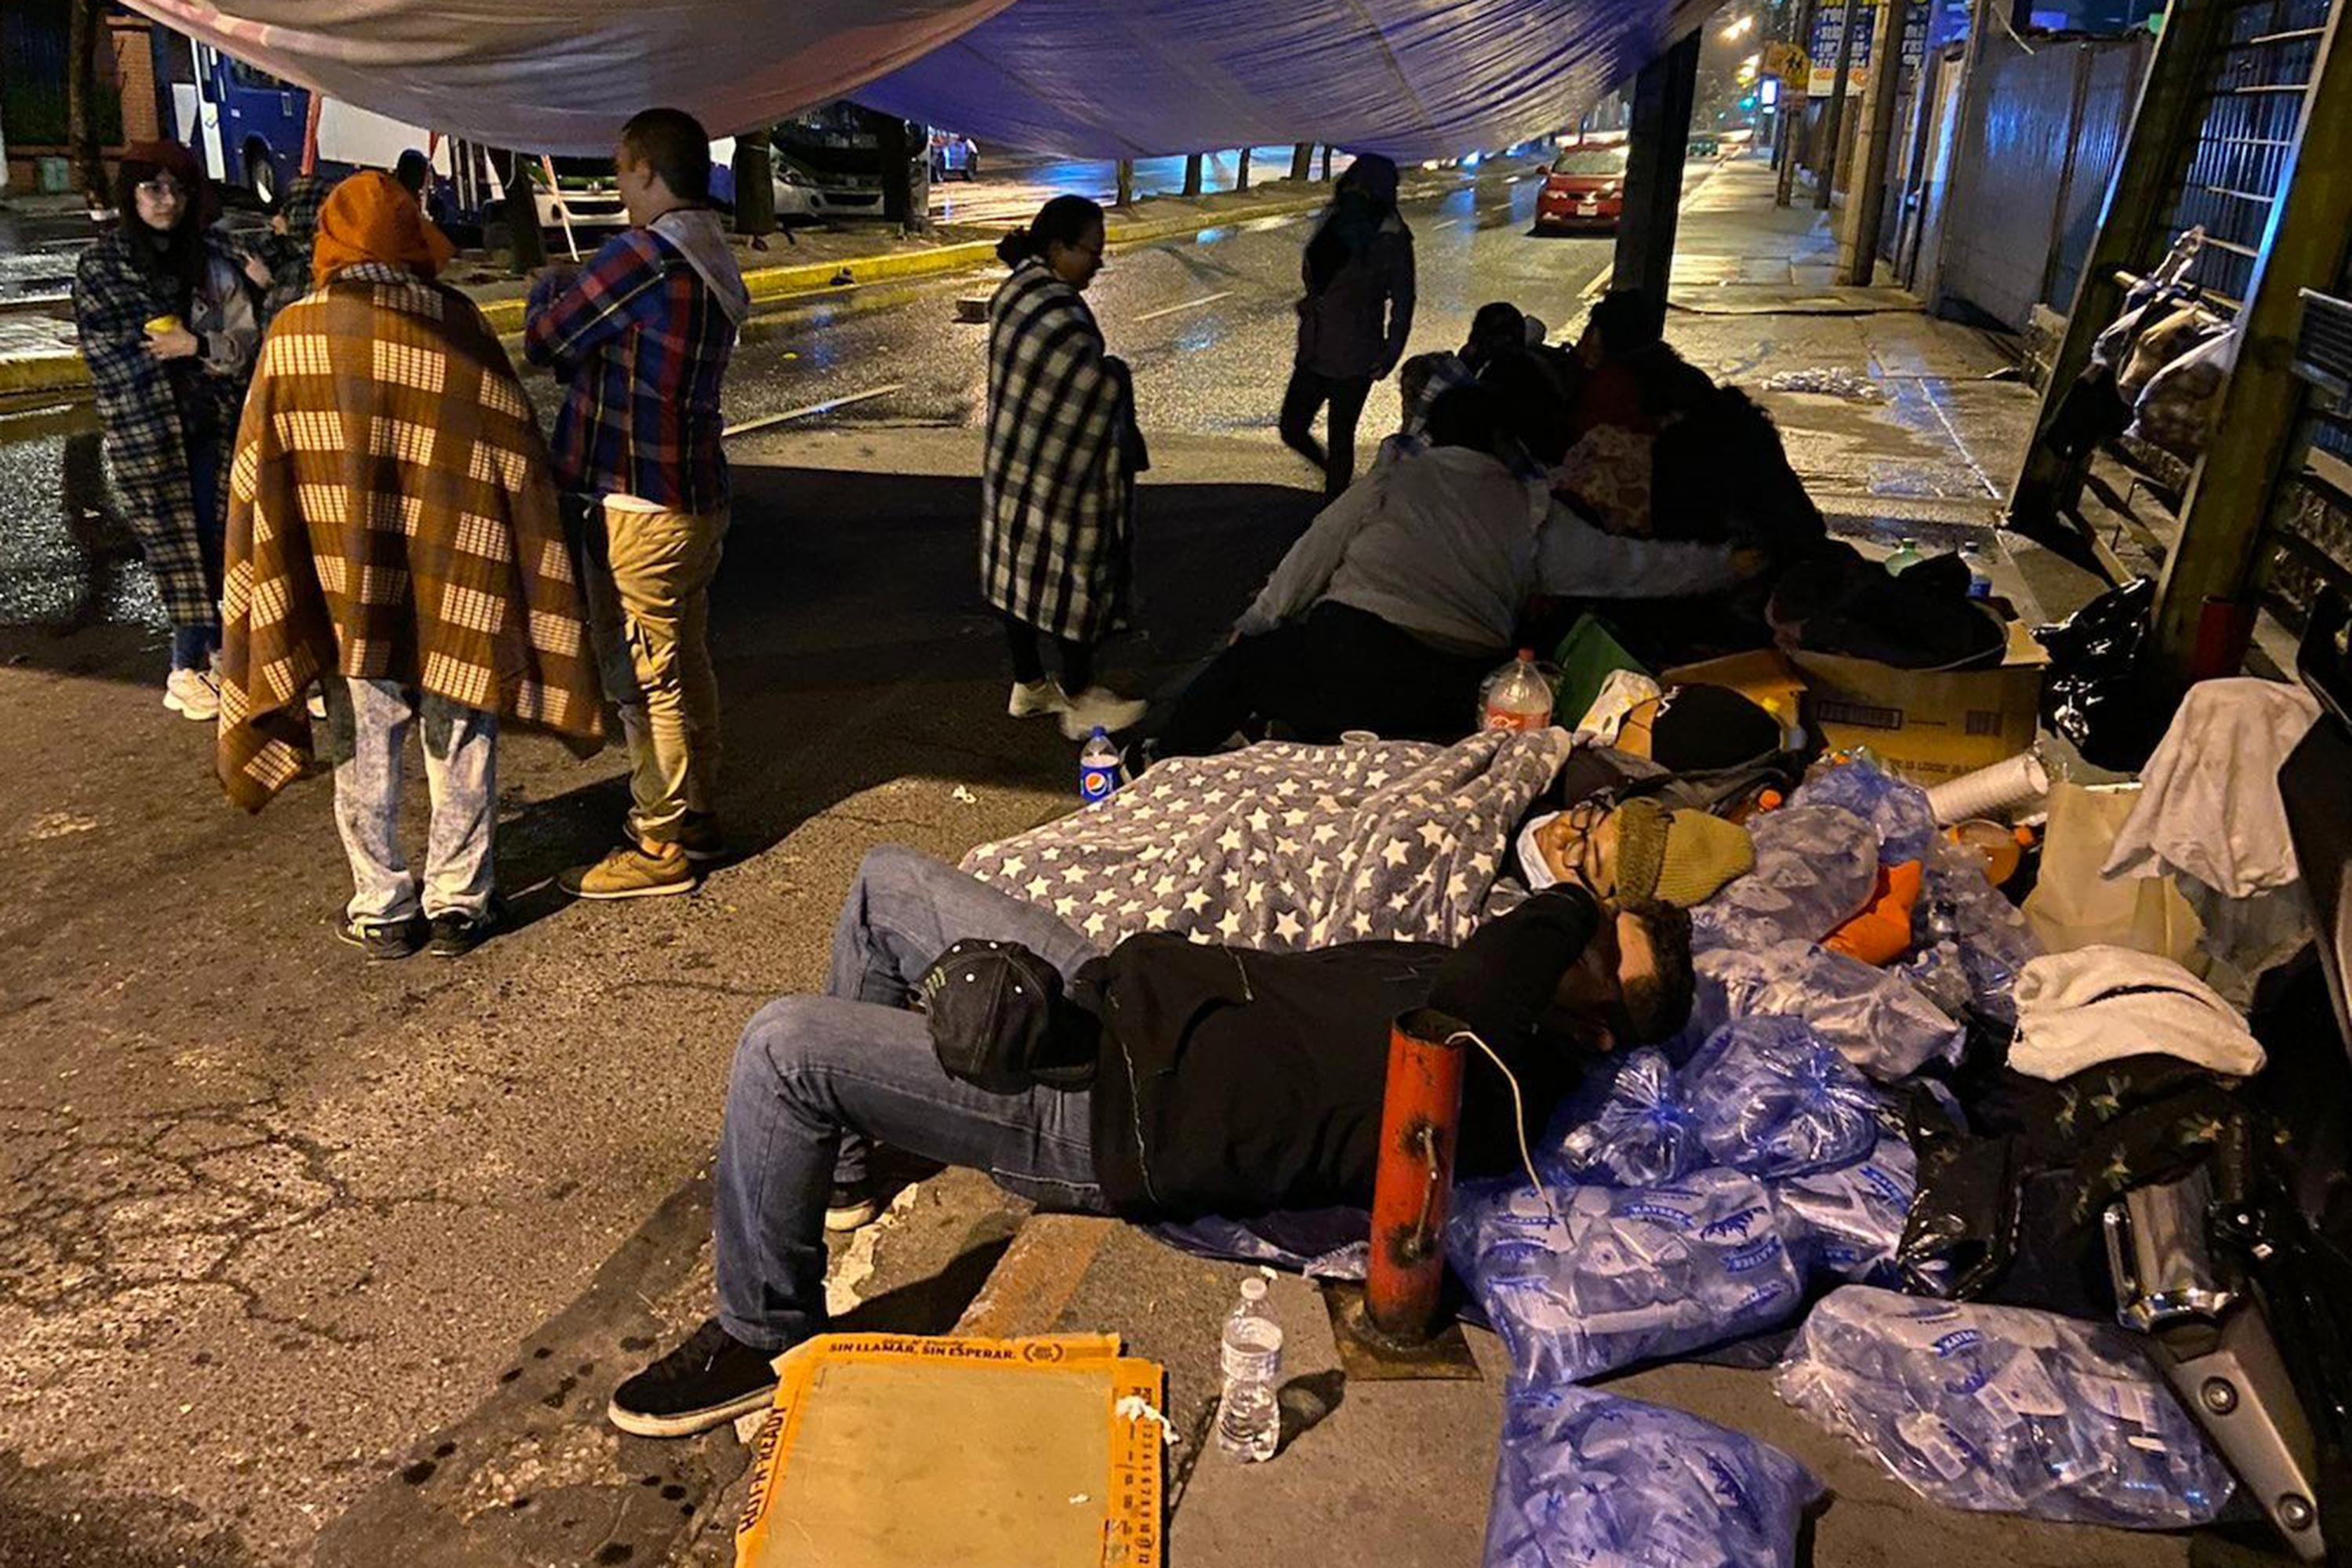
(768, 286)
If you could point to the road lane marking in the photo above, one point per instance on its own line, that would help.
(1187, 305)
(827, 406)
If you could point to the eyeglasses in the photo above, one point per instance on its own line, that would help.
(157, 189)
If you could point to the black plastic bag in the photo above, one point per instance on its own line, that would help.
(1962, 1232)
(2096, 692)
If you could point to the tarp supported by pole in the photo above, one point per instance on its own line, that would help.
(1091, 78)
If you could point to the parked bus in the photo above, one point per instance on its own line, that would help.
(247, 127)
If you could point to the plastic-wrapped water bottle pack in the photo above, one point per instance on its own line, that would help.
(1898, 812)
(1847, 1224)
(1621, 1276)
(1959, 908)
(1639, 1133)
(1874, 1019)
(1815, 868)
(2000, 1409)
(1597, 1481)
(1772, 1100)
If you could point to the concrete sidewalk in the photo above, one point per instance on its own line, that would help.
(1902, 426)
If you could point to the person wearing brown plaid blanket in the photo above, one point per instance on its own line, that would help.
(394, 533)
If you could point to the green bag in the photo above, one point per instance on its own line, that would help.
(1587, 656)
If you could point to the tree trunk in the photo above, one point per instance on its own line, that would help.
(755, 184)
(85, 28)
(1302, 161)
(1241, 180)
(1327, 162)
(1193, 175)
(1126, 183)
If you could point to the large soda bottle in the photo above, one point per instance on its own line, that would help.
(1249, 1418)
(1516, 697)
(1100, 769)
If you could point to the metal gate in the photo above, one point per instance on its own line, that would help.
(2232, 180)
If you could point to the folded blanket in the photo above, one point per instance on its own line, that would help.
(1282, 847)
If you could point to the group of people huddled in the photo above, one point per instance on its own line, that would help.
(1061, 1012)
(356, 526)
(345, 498)
(1523, 483)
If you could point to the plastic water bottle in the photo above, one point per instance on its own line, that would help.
(1906, 555)
(1100, 769)
(1517, 696)
(1979, 581)
(1249, 1419)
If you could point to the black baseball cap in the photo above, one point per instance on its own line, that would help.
(999, 1020)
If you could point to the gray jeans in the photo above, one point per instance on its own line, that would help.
(368, 723)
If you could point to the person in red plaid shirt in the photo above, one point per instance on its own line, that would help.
(641, 338)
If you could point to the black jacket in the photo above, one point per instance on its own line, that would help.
(1233, 1082)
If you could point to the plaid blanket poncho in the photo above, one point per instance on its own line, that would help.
(148, 424)
(391, 517)
(1055, 486)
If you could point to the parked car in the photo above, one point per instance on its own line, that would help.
(805, 192)
(1585, 189)
(955, 154)
(1705, 146)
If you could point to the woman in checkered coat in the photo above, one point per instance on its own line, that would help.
(1058, 488)
(169, 330)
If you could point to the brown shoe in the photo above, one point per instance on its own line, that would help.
(631, 871)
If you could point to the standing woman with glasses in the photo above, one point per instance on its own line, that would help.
(1057, 484)
(168, 329)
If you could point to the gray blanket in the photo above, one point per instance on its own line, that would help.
(1284, 848)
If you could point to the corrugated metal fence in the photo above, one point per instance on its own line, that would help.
(2028, 186)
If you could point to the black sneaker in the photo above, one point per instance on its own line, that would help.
(456, 933)
(850, 1206)
(383, 942)
(707, 1382)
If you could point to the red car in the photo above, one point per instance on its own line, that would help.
(1586, 189)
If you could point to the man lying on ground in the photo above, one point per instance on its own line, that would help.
(1168, 1079)
(1407, 588)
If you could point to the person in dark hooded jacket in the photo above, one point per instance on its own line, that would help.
(1164, 1079)
(1354, 319)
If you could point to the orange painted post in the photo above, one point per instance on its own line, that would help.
(1420, 1123)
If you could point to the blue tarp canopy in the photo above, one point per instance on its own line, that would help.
(1414, 79)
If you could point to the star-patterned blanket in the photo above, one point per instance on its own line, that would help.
(1283, 847)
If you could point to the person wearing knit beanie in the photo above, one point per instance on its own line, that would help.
(1640, 850)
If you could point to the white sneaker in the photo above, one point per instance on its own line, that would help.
(1099, 707)
(1037, 698)
(315, 705)
(190, 693)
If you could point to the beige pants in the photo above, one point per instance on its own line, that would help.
(649, 614)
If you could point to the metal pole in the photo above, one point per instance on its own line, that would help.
(2304, 247)
(1825, 168)
(1660, 141)
(1795, 97)
(1867, 210)
(1421, 1124)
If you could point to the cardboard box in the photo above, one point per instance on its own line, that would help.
(1929, 725)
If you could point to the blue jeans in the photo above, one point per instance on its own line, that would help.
(815, 1073)
(192, 646)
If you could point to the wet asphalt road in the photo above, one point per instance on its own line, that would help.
(1207, 323)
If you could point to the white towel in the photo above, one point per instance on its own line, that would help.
(2076, 1010)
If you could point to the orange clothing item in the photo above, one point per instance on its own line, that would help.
(372, 218)
(1882, 932)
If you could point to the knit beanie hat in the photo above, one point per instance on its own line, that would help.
(1683, 857)
(1699, 729)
